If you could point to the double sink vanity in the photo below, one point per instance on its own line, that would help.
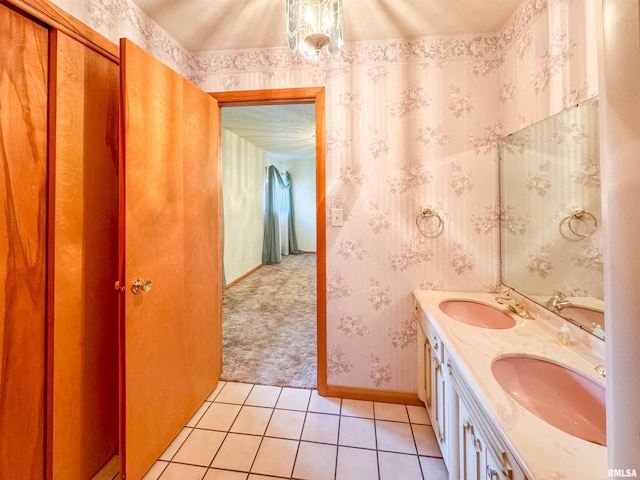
(513, 390)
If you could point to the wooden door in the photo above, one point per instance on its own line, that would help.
(171, 334)
(83, 329)
(23, 244)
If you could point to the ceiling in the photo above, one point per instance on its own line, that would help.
(288, 131)
(203, 25)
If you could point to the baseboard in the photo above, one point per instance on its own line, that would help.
(385, 396)
(242, 277)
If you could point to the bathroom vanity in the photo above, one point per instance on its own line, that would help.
(509, 398)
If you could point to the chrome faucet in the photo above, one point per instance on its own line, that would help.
(513, 305)
(557, 303)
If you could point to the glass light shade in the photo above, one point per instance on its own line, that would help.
(313, 25)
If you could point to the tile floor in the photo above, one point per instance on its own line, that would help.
(255, 432)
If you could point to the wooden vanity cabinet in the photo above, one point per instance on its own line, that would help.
(470, 446)
(473, 462)
(436, 391)
(481, 453)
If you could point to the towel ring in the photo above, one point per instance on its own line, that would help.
(424, 215)
(579, 215)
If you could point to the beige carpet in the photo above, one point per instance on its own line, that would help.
(269, 325)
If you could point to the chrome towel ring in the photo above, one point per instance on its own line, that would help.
(578, 217)
(425, 220)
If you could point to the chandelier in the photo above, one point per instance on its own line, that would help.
(313, 25)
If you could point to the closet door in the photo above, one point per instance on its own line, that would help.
(23, 244)
(170, 333)
(83, 333)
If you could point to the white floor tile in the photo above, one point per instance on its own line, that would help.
(255, 432)
(294, 399)
(434, 468)
(234, 393)
(198, 415)
(357, 432)
(175, 444)
(178, 471)
(286, 424)
(263, 396)
(216, 391)
(315, 461)
(219, 416)
(395, 437)
(357, 464)
(275, 457)
(426, 441)
(215, 474)
(200, 447)
(319, 427)
(391, 412)
(252, 420)
(396, 465)
(357, 408)
(155, 471)
(237, 452)
(418, 415)
(320, 404)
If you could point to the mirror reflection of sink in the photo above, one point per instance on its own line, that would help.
(585, 316)
(559, 396)
(477, 314)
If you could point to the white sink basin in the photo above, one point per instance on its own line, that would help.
(477, 314)
(561, 397)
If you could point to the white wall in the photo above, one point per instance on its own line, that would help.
(243, 201)
(303, 180)
(620, 144)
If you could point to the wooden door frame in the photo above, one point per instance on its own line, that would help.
(316, 96)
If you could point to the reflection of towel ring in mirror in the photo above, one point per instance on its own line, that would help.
(581, 215)
(425, 215)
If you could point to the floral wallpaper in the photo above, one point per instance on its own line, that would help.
(409, 124)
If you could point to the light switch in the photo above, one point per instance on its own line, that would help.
(336, 217)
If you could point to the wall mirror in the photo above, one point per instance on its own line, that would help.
(551, 216)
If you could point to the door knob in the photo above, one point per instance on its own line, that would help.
(140, 285)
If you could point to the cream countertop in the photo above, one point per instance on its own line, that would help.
(543, 451)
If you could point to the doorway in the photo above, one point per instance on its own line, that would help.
(313, 96)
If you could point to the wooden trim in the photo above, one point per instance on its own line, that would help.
(121, 282)
(321, 242)
(242, 277)
(314, 95)
(386, 396)
(280, 96)
(51, 207)
(55, 17)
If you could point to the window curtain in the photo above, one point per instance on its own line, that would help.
(279, 233)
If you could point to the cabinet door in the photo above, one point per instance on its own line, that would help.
(170, 333)
(494, 469)
(439, 406)
(424, 366)
(23, 244)
(472, 448)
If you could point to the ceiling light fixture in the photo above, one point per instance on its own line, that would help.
(313, 25)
